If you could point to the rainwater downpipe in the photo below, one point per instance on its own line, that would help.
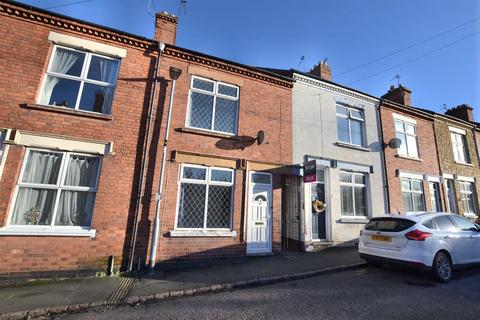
(385, 170)
(160, 48)
(174, 75)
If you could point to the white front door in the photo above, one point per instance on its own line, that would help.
(259, 234)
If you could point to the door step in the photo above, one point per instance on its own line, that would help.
(318, 246)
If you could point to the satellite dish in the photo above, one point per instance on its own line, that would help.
(260, 137)
(394, 143)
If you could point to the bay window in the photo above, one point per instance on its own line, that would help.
(56, 189)
(353, 194)
(205, 199)
(213, 106)
(79, 80)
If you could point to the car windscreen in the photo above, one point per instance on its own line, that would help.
(389, 224)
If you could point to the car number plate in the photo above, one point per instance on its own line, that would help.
(382, 238)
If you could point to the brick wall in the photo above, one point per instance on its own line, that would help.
(24, 54)
(428, 163)
(447, 160)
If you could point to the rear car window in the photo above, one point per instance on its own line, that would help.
(444, 224)
(429, 224)
(388, 224)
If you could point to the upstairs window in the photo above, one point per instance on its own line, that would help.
(80, 80)
(350, 125)
(459, 144)
(407, 133)
(213, 106)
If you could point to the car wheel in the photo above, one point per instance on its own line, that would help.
(373, 263)
(442, 267)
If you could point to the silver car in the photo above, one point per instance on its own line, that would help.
(439, 241)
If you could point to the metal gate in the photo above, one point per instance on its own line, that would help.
(293, 215)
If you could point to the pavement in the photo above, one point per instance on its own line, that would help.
(364, 293)
(40, 298)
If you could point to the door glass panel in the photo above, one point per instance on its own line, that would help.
(444, 224)
(261, 178)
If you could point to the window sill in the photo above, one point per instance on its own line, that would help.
(351, 146)
(47, 231)
(401, 156)
(464, 164)
(59, 109)
(202, 233)
(205, 132)
(353, 220)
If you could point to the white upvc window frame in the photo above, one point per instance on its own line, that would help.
(214, 94)
(208, 182)
(3, 149)
(411, 191)
(404, 132)
(458, 139)
(352, 185)
(82, 78)
(351, 117)
(51, 229)
(464, 194)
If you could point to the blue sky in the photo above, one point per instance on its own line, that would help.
(277, 33)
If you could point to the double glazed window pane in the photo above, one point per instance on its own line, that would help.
(194, 173)
(201, 110)
(191, 212)
(225, 115)
(42, 168)
(60, 92)
(347, 200)
(343, 130)
(33, 206)
(96, 98)
(68, 62)
(219, 204)
(75, 208)
(101, 69)
(356, 129)
(353, 194)
(350, 125)
(406, 132)
(221, 175)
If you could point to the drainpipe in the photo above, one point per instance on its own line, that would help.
(387, 192)
(160, 48)
(174, 74)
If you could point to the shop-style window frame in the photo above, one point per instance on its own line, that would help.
(404, 132)
(83, 78)
(352, 185)
(58, 187)
(350, 117)
(208, 182)
(214, 94)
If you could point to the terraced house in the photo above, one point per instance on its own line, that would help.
(91, 123)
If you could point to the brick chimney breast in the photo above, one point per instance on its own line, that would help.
(400, 94)
(166, 27)
(322, 70)
(463, 112)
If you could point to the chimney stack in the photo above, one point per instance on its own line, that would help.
(166, 27)
(322, 70)
(463, 112)
(400, 94)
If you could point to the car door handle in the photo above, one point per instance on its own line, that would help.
(446, 237)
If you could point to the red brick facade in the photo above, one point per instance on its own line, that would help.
(427, 164)
(265, 104)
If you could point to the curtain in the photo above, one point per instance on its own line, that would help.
(82, 171)
(75, 208)
(42, 167)
(33, 206)
(62, 63)
(108, 70)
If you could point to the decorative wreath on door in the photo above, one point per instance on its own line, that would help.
(318, 206)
